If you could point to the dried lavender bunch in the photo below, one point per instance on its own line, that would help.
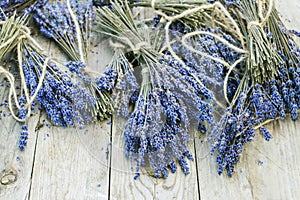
(268, 88)
(34, 77)
(157, 128)
(215, 14)
(212, 64)
(10, 29)
(13, 30)
(69, 25)
(66, 101)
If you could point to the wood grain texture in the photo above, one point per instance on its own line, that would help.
(16, 165)
(64, 167)
(71, 163)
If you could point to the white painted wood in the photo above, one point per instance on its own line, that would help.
(64, 167)
(14, 164)
(123, 186)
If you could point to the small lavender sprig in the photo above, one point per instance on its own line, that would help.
(23, 137)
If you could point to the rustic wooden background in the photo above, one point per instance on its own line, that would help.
(70, 164)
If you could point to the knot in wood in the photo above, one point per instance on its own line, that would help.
(9, 177)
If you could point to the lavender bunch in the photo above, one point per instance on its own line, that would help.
(34, 77)
(189, 27)
(213, 62)
(65, 101)
(13, 30)
(157, 128)
(69, 25)
(268, 88)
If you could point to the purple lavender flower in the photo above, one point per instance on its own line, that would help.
(23, 137)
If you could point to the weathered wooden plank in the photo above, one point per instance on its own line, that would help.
(16, 166)
(211, 185)
(72, 163)
(274, 166)
(178, 185)
(64, 167)
(267, 170)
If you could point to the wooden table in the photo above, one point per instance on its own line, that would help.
(61, 163)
